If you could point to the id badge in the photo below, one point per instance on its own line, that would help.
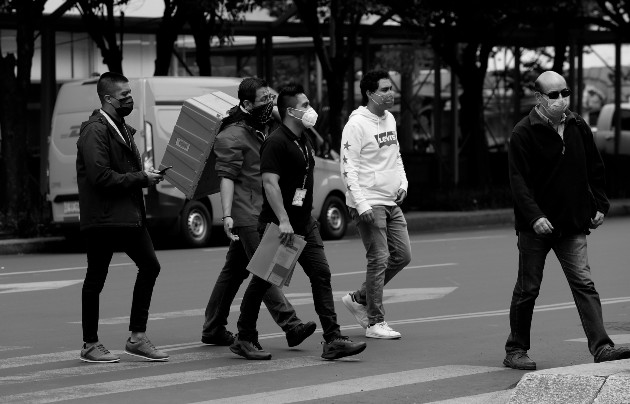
(298, 198)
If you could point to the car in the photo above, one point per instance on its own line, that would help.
(604, 131)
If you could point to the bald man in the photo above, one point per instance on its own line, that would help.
(558, 186)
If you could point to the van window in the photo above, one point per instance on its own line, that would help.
(625, 119)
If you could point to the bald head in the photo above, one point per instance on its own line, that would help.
(550, 81)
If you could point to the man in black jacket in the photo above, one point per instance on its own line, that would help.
(558, 185)
(237, 151)
(110, 177)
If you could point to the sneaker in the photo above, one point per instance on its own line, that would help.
(145, 349)
(249, 350)
(224, 338)
(358, 310)
(381, 330)
(97, 354)
(610, 353)
(300, 332)
(519, 360)
(341, 347)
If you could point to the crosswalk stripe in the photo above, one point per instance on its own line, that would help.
(617, 338)
(501, 396)
(441, 240)
(12, 348)
(447, 264)
(164, 380)
(83, 370)
(357, 385)
(42, 271)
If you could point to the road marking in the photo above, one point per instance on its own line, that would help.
(297, 299)
(501, 396)
(36, 286)
(42, 271)
(357, 385)
(83, 369)
(12, 348)
(165, 380)
(440, 240)
(617, 339)
(448, 264)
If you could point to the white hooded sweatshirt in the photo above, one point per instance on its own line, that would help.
(371, 166)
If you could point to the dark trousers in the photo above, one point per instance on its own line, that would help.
(232, 275)
(313, 261)
(101, 245)
(571, 252)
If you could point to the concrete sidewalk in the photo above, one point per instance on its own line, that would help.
(416, 221)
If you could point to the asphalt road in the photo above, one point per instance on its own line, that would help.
(450, 305)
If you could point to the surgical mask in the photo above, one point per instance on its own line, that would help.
(262, 113)
(555, 108)
(125, 107)
(387, 100)
(309, 117)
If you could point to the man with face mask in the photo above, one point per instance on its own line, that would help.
(237, 151)
(376, 183)
(113, 218)
(286, 164)
(558, 186)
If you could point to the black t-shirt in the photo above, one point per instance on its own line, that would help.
(283, 153)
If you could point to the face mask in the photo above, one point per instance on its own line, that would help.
(387, 100)
(125, 108)
(262, 113)
(555, 108)
(309, 117)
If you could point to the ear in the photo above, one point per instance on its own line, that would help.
(248, 105)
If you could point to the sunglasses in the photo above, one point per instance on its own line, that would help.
(555, 94)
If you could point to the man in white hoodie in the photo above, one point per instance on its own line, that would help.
(376, 185)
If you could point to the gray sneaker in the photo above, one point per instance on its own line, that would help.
(145, 349)
(97, 354)
(358, 310)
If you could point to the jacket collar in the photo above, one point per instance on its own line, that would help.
(535, 118)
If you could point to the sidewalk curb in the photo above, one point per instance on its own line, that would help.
(597, 383)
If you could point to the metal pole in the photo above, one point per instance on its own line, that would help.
(516, 92)
(455, 127)
(617, 115)
(48, 93)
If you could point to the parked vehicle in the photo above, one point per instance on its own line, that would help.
(157, 102)
(604, 132)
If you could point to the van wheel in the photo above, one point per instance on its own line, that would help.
(195, 224)
(333, 218)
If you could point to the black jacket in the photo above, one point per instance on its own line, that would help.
(110, 176)
(560, 179)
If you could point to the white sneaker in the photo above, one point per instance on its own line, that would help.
(381, 330)
(358, 310)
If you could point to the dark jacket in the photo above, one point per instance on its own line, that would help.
(560, 179)
(237, 151)
(110, 177)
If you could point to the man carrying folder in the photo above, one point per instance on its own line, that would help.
(286, 164)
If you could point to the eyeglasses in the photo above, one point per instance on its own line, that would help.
(555, 94)
(267, 98)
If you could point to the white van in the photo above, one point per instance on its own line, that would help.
(157, 103)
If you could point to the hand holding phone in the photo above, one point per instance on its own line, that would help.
(163, 171)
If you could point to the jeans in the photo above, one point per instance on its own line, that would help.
(571, 252)
(388, 251)
(101, 245)
(232, 275)
(313, 261)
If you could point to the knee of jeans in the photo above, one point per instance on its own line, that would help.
(405, 258)
(378, 258)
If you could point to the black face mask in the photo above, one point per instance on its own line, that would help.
(125, 107)
(262, 113)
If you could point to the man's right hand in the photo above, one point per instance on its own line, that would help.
(543, 226)
(286, 233)
(153, 176)
(228, 224)
(367, 216)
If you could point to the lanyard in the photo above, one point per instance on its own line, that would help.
(307, 157)
(115, 127)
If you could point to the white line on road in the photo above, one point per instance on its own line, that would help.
(448, 264)
(440, 240)
(82, 392)
(42, 271)
(358, 385)
(617, 339)
(501, 396)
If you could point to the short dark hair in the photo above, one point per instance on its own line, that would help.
(369, 82)
(107, 82)
(248, 87)
(286, 97)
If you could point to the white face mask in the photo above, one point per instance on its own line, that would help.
(387, 100)
(309, 117)
(555, 108)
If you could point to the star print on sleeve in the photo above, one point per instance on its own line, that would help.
(345, 174)
(348, 186)
(346, 146)
(345, 159)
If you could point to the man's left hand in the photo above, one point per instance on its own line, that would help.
(597, 220)
(400, 196)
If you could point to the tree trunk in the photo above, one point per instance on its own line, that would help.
(171, 24)
(201, 33)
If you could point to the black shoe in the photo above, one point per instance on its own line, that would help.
(341, 347)
(300, 332)
(224, 338)
(519, 360)
(610, 353)
(249, 350)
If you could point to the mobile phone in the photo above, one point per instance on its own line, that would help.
(163, 171)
